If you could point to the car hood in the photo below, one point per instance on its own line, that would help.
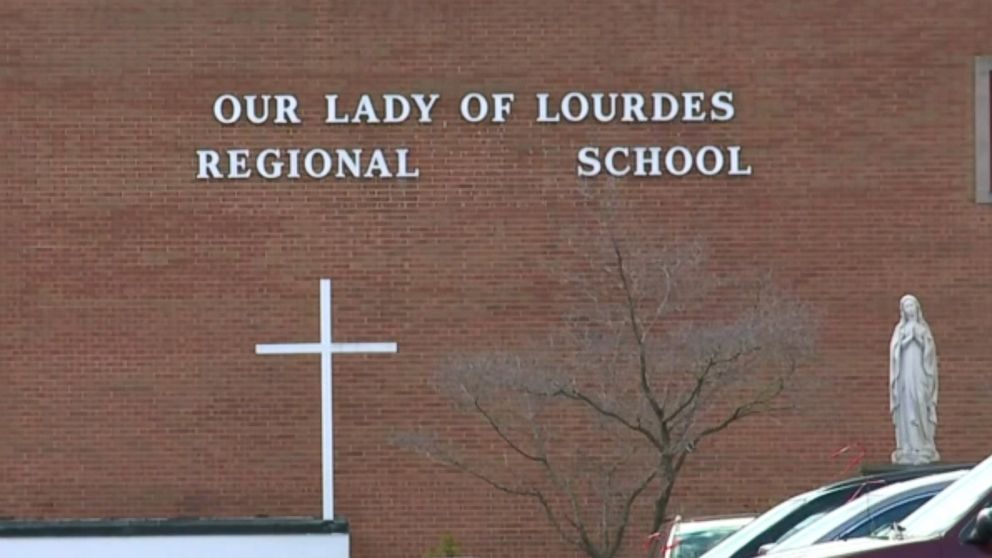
(843, 548)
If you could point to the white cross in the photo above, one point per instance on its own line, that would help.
(325, 349)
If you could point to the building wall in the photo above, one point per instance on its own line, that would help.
(132, 294)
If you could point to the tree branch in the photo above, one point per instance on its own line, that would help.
(742, 411)
(697, 389)
(548, 509)
(625, 513)
(579, 396)
(575, 521)
(506, 439)
(638, 334)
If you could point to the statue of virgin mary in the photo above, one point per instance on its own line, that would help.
(913, 386)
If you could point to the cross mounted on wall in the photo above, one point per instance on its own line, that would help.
(326, 349)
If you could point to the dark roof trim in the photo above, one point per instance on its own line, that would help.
(158, 527)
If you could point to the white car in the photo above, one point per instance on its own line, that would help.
(776, 522)
(861, 516)
(953, 524)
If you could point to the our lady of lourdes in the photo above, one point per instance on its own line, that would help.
(913, 386)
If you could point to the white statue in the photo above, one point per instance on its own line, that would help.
(913, 386)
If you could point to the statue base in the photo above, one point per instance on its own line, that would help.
(916, 456)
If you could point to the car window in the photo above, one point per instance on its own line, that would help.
(695, 544)
(888, 517)
(802, 525)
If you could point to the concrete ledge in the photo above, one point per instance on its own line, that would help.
(172, 538)
(134, 527)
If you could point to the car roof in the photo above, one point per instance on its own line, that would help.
(702, 518)
(921, 483)
(898, 475)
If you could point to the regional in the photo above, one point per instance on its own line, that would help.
(679, 160)
(295, 163)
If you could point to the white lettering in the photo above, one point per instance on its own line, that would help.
(253, 110)
(599, 108)
(286, 109)
(693, 107)
(735, 162)
(401, 165)
(641, 160)
(723, 101)
(351, 159)
(501, 106)
(474, 116)
(237, 163)
(365, 110)
(589, 156)
(717, 160)
(266, 171)
(610, 165)
(332, 111)
(542, 109)
(379, 165)
(662, 106)
(209, 159)
(633, 108)
(233, 115)
(394, 102)
(425, 108)
(686, 161)
(566, 107)
(311, 171)
(660, 100)
(294, 163)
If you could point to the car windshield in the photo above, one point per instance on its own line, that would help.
(735, 542)
(946, 509)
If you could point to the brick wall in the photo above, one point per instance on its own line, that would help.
(131, 295)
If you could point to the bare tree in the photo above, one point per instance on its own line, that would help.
(660, 352)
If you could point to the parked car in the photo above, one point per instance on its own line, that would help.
(774, 523)
(864, 515)
(690, 539)
(957, 523)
